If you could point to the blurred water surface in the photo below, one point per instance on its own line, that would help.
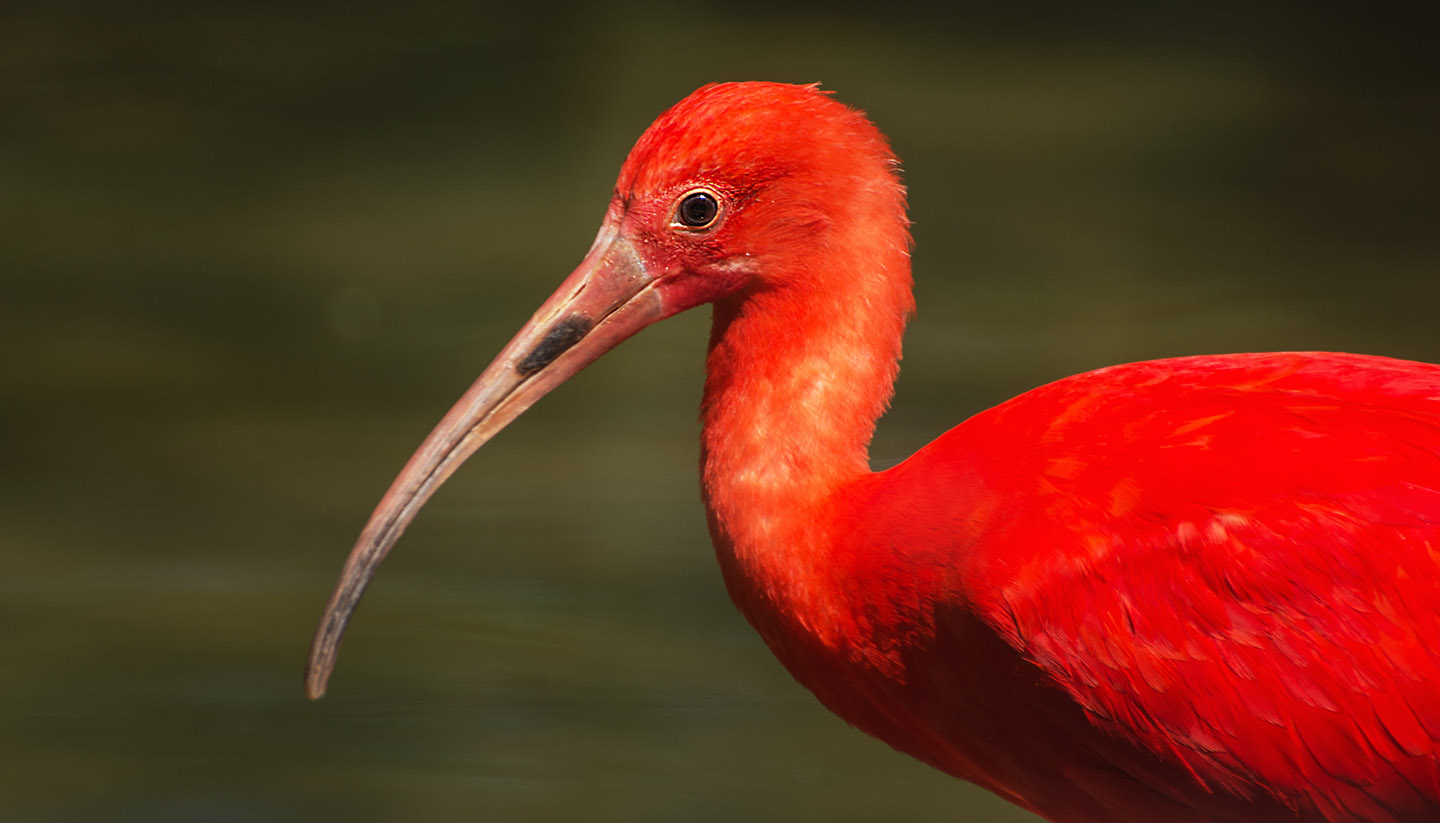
(251, 252)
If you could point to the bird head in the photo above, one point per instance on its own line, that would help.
(743, 185)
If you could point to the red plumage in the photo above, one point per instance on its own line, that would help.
(1181, 591)
(1228, 562)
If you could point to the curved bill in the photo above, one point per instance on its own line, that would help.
(607, 299)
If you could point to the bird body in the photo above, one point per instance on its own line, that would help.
(1141, 592)
(1183, 591)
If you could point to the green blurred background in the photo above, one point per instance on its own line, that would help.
(251, 251)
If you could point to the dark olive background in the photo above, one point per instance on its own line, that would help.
(251, 251)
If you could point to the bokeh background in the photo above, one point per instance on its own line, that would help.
(251, 251)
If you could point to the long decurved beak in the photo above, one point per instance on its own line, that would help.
(606, 300)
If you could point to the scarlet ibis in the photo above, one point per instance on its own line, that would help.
(1199, 589)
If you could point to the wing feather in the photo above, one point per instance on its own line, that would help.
(1235, 563)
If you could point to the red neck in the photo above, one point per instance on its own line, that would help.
(796, 378)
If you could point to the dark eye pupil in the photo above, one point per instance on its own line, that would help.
(698, 210)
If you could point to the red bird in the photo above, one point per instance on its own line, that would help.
(1201, 589)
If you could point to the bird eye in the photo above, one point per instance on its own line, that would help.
(697, 210)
